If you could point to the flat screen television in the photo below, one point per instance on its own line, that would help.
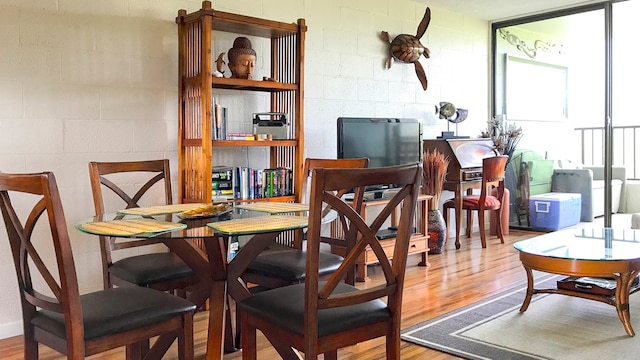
(385, 141)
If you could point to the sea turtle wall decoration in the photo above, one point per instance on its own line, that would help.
(408, 49)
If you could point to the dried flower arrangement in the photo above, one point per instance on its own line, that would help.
(434, 170)
(505, 136)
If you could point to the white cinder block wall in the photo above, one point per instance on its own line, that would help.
(97, 80)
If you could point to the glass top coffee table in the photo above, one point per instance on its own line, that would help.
(598, 253)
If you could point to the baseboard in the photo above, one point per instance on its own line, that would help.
(8, 330)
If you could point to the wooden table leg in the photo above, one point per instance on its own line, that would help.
(623, 287)
(216, 248)
(530, 290)
(215, 344)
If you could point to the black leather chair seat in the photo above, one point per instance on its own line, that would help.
(151, 268)
(116, 310)
(284, 307)
(289, 265)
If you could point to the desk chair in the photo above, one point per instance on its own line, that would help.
(492, 177)
(53, 311)
(163, 271)
(287, 266)
(318, 317)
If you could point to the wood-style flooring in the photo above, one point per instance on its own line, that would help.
(453, 279)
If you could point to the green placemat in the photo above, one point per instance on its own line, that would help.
(260, 224)
(274, 207)
(160, 210)
(129, 227)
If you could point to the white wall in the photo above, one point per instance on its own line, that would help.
(97, 80)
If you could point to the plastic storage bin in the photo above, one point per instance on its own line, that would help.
(554, 210)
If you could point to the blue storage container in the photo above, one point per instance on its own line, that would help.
(554, 210)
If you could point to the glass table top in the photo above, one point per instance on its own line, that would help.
(185, 228)
(604, 244)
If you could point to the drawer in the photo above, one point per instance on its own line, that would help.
(417, 244)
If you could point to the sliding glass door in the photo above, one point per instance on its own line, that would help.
(552, 74)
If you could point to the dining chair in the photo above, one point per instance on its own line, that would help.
(317, 317)
(53, 311)
(493, 169)
(284, 265)
(160, 270)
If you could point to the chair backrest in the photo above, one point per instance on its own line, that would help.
(102, 174)
(493, 169)
(359, 235)
(98, 171)
(313, 163)
(43, 284)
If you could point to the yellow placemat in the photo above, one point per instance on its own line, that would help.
(129, 227)
(160, 210)
(260, 224)
(274, 207)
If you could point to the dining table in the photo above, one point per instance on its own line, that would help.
(203, 243)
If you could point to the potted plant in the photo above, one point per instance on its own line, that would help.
(434, 170)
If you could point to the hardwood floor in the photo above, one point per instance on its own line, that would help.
(453, 279)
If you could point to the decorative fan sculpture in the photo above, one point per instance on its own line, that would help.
(448, 111)
(408, 49)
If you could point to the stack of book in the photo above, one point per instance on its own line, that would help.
(243, 183)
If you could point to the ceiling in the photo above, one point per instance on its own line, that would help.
(492, 10)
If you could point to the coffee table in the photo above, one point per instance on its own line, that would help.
(599, 252)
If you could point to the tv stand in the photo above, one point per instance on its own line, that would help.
(418, 244)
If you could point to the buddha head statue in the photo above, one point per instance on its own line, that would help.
(242, 58)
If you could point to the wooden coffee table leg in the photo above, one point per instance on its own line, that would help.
(623, 286)
(530, 291)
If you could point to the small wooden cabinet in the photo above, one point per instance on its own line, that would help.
(419, 243)
(196, 147)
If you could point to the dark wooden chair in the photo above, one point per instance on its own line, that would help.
(493, 169)
(286, 266)
(53, 311)
(318, 317)
(522, 203)
(158, 270)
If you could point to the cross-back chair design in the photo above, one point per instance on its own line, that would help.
(53, 311)
(160, 270)
(318, 317)
(493, 169)
(287, 266)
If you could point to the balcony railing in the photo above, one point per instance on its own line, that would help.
(625, 150)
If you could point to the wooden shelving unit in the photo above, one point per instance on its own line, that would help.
(196, 148)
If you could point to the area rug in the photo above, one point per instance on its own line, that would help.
(553, 327)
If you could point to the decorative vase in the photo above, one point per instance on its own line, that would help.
(437, 230)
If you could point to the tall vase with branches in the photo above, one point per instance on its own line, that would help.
(505, 136)
(434, 170)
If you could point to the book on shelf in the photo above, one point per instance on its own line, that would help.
(244, 183)
(221, 185)
(219, 126)
(240, 136)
